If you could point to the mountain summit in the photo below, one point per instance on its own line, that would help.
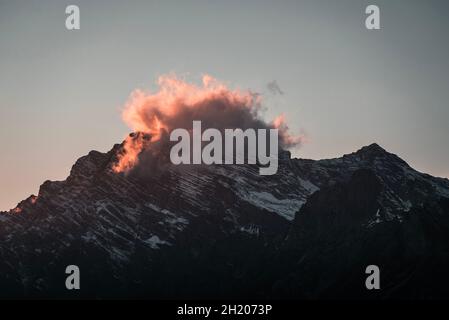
(197, 231)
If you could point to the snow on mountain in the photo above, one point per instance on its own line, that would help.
(138, 229)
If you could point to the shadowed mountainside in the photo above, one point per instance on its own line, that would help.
(308, 231)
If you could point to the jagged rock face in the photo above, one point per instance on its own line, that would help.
(225, 231)
(339, 232)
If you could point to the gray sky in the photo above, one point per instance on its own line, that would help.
(61, 91)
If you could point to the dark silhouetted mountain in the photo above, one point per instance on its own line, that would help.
(166, 231)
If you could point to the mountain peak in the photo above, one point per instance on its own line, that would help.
(373, 148)
(375, 152)
(174, 218)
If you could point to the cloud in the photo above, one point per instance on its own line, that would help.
(274, 88)
(177, 103)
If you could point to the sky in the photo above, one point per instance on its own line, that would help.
(339, 84)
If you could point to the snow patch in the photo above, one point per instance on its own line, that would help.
(284, 207)
(309, 186)
(252, 229)
(154, 242)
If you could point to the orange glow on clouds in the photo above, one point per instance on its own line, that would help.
(177, 103)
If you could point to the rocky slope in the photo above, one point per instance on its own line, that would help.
(226, 231)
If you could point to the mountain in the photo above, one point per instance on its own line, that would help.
(197, 231)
